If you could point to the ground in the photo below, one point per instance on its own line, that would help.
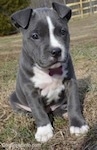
(17, 131)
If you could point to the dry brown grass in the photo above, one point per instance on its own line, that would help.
(17, 131)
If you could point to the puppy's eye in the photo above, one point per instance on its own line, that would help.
(63, 32)
(35, 36)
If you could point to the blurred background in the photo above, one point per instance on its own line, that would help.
(79, 8)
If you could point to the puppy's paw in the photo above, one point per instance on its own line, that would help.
(79, 130)
(44, 133)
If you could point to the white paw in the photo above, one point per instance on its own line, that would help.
(44, 133)
(77, 131)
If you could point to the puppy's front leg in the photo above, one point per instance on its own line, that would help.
(77, 121)
(44, 128)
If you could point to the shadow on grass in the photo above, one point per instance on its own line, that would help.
(90, 140)
(84, 86)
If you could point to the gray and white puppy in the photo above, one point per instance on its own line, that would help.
(46, 80)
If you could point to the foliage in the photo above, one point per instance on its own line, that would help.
(7, 7)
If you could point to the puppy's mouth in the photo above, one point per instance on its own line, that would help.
(56, 69)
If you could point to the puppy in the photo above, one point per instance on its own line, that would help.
(46, 79)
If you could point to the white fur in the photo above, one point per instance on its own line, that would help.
(50, 86)
(55, 65)
(53, 40)
(77, 131)
(44, 133)
(24, 107)
(53, 107)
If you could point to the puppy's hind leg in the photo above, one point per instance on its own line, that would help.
(15, 104)
(14, 101)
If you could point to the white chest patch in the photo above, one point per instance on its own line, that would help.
(50, 86)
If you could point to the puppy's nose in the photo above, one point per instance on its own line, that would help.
(56, 52)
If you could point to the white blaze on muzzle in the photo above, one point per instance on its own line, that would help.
(54, 42)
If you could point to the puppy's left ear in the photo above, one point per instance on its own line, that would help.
(62, 10)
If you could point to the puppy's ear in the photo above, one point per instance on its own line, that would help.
(62, 10)
(21, 18)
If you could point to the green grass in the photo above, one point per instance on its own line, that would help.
(8, 69)
(88, 51)
(9, 39)
(7, 43)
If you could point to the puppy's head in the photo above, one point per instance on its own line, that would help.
(45, 34)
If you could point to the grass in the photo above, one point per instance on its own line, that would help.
(19, 129)
(8, 42)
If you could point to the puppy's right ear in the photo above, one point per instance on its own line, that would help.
(62, 10)
(21, 18)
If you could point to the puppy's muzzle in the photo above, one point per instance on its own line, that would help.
(56, 52)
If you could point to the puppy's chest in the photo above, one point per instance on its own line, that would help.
(50, 86)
